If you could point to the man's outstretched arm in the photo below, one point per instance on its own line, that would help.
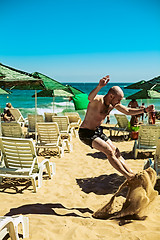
(134, 111)
(103, 82)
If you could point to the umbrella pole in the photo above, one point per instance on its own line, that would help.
(148, 113)
(35, 115)
(0, 122)
(53, 103)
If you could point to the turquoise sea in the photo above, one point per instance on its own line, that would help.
(23, 100)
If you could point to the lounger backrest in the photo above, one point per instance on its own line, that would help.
(16, 114)
(19, 153)
(48, 133)
(11, 129)
(63, 122)
(73, 117)
(122, 120)
(148, 135)
(32, 121)
(48, 116)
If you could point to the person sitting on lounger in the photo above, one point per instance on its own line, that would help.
(7, 116)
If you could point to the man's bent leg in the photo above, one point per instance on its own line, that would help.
(119, 156)
(104, 147)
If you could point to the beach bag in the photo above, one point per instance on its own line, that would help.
(80, 101)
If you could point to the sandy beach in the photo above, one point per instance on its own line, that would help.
(84, 181)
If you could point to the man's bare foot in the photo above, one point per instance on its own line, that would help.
(130, 176)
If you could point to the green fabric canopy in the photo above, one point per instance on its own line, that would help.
(13, 78)
(49, 83)
(73, 90)
(1, 75)
(136, 85)
(145, 94)
(80, 101)
(2, 91)
(54, 93)
(153, 83)
(61, 93)
(17, 79)
(60, 90)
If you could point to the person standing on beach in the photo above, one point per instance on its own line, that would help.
(133, 104)
(134, 119)
(90, 131)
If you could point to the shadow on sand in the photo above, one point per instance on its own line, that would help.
(102, 185)
(14, 186)
(17, 185)
(98, 155)
(47, 209)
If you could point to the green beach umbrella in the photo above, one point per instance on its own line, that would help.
(145, 94)
(1, 76)
(152, 84)
(56, 90)
(2, 91)
(61, 93)
(17, 79)
(137, 85)
(48, 83)
(73, 90)
(52, 84)
(54, 93)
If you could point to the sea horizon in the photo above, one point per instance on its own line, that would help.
(22, 99)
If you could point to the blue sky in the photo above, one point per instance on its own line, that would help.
(82, 40)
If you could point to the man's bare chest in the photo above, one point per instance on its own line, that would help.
(105, 110)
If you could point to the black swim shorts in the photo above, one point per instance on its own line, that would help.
(87, 136)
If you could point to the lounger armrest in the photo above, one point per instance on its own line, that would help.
(42, 166)
(43, 162)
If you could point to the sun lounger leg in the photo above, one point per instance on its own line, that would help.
(110, 132)
(34, 184)
(13, 232)
(1, 179)
(74, 132)
(68, 145)
(40, 175)
(25, 225)
(61, 151)
(37, 150)
(48, 169)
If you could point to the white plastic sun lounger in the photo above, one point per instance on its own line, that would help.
(9, 225)
(20, 161)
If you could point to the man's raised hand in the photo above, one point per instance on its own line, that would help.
(103, 82)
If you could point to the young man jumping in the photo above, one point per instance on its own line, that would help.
(90, 131)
